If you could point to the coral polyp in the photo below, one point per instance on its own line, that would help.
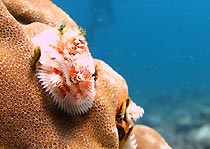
(133, 112)
(66, 69)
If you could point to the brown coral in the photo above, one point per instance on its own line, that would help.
(44, 11)
(28, 118)
(148, 138)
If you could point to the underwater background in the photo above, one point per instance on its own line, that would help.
(162, 49)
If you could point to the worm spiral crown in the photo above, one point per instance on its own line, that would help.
(66, 69)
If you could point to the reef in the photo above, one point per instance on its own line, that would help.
(28, 116)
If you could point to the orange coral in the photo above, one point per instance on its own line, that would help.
(28, 117)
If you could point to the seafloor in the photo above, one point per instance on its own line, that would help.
(182, 118)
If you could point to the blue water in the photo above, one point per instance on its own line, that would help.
(161, 48)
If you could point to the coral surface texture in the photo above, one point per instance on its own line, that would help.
(29, 116)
